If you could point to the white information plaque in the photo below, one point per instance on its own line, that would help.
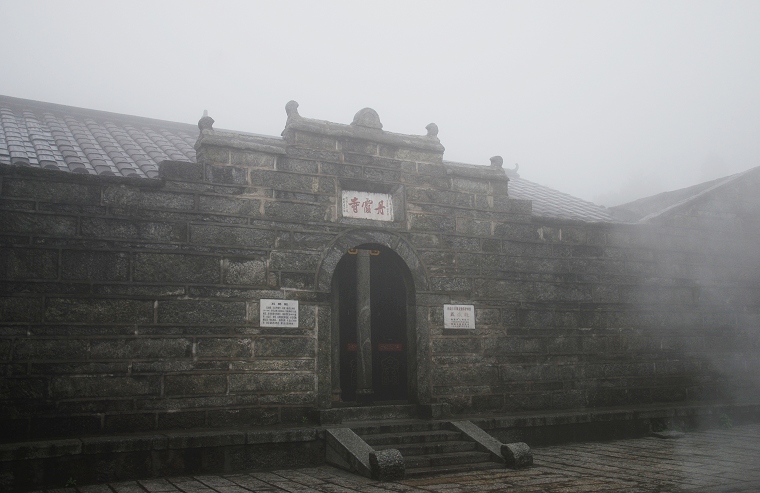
(278, 313)
(458, 316)
(366, 205)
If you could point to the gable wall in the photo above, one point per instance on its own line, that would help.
(132, 305)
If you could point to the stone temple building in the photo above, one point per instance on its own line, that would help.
(181, 287)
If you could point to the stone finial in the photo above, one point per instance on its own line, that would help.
(206, 122)
(387, 465)
(432, 130)
(517, 455)
(497, 161)
(517, 166)
(291, 108)
(368, 118)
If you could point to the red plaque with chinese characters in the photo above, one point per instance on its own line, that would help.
(367, 205)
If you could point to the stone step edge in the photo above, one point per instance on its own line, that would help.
(469, 457)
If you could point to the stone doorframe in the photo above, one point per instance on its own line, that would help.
(417, 327)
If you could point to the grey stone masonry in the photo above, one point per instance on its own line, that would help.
(134, 304)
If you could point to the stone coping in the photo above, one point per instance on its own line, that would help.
(339, 130)
(185, 439)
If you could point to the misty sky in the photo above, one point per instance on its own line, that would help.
(609, 101)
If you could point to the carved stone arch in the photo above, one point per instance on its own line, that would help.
(418, 333)
(356, 237)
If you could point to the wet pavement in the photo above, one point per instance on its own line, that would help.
(725, 460)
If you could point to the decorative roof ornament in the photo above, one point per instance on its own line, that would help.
(291, 108)
(368, 118)
(206, 122)
(497, 162)
(432, 130)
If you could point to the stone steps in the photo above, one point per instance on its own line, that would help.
(428, 447)
(397, 439)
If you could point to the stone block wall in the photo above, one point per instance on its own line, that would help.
(133, 304)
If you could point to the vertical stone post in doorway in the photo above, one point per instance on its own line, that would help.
(364, 391)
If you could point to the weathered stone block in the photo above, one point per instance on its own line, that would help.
(195, 384)
(201, 311)
(246, 271)
(34, 223)
(476, 375)
(67, 426)
(292, 347)
(66, 387)
(47, 349)
(387, 465)
(298, 166)
(252, 159)
(476, 227)
(359, 146)
(125, 196)
(243, 417)
(228, 175)
(23, 388)
(231, 235)
(297, 280)
(517, 455)
(141, 347)
(288, 181)
(94, 265)
(90, 310)
(292, 211)
(130, 422)
(229, 205)
(133, 229)
(47, 191)
(170, 267)
(341, 170)
(28, 263)
(293, 261)
(430, 222)
(470, 185)
(456, 345)
(226, 347)
(461, 284)
(272, 382)
(381, 175)
(315, 141)
(208, 154)
(181, 420)
(180, 170)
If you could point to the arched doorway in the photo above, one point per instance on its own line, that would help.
(373, 300)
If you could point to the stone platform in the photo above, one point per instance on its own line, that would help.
(100, 459)
(716, 460)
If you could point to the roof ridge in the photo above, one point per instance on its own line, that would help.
(721, 183)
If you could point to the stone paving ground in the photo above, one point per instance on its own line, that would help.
(708, 461)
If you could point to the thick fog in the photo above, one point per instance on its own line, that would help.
(608, 101)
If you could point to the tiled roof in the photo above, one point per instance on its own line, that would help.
(548, 202)
(51, 136)
(44, 135)
(647, 208)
